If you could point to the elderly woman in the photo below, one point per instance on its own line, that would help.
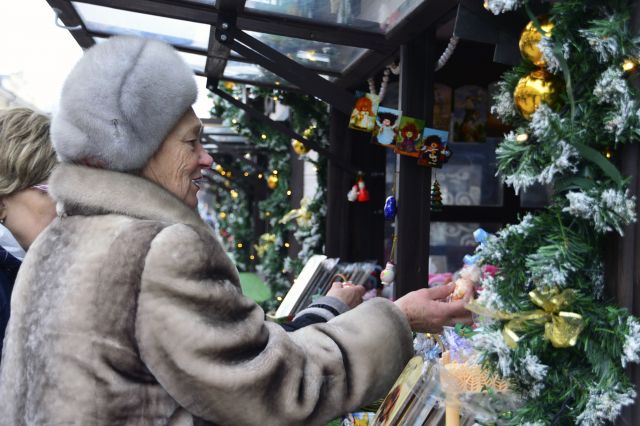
(26, 161)
(128, 311)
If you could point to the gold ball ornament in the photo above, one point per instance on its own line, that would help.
(298, 147)
(272, 182)
(532, 90)
(530, 38)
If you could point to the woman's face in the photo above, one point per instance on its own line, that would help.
(178, 162)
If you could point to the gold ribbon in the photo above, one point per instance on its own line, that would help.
(560, 327)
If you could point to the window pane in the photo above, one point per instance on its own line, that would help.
(114, 21)
(468, 179)
(325, 56)
(372, 15)
(450, 241)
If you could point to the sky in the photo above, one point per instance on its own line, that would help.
(38, 55)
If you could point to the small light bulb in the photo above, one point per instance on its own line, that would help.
(628, 65)
(263, 136)
(252, 257)
(522, 137)
(279, 298)
(277, 83)
(275, 172)
(287, 245)
(246, 174)
(239, 245)
(289, 192)
(259, 175)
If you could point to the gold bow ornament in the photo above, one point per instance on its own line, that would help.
(560, 327)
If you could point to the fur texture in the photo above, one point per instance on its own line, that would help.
(120, 101)
(127, 311)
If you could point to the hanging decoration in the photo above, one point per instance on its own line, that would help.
(436, 196)
(358, 191)
(272, 181)
(383, 85)
(534, 89)
(364, 112)
(390, 208)
(435, 151)
(298, 147)
(530, 39)
(388, 274)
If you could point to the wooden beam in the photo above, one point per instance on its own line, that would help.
(417, 61)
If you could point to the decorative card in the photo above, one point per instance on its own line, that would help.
(433, 152)
(470, 109)
(402, 395)
(409, 137)
(363, 116)
(442, 106)
(387, 122)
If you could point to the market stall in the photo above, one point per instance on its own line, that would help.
(406, 110)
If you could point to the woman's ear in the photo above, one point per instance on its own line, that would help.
(3, 210)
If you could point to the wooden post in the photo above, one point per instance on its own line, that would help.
(337, 223)
(622, 267)
(417, 61)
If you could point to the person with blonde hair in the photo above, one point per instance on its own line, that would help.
(26, 161)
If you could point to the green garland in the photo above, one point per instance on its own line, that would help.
(560, 249)
(268, 252)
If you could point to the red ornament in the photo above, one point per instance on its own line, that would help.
(363, 194)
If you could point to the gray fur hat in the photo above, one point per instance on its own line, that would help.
(120, 101)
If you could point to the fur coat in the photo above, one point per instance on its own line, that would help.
(127, 311)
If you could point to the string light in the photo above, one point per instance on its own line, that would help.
(234, 121)
(287, 245)
(628, 65)
(267, 214)
(263, 136)
(275, 172)
(289, 192)
(252, 257)
(222, 215)
(279, 298)
(259, 175)
(246, 174)
(239, 245)
(522, 137)
(277, 83)
(234, 194)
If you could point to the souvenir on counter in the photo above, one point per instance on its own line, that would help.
(364, 112)
(442, 106)
(409, 137)
(434, 151)
(387, 122)
(401, 396)
(470, 109)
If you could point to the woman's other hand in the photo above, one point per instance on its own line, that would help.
(347, 293)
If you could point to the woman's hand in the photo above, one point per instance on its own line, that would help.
(427, 311)
(347, 293)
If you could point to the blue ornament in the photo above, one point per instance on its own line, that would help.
(470, 260)
(480, 235)
(390, 208)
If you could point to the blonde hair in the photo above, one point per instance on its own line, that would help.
(26, 153)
